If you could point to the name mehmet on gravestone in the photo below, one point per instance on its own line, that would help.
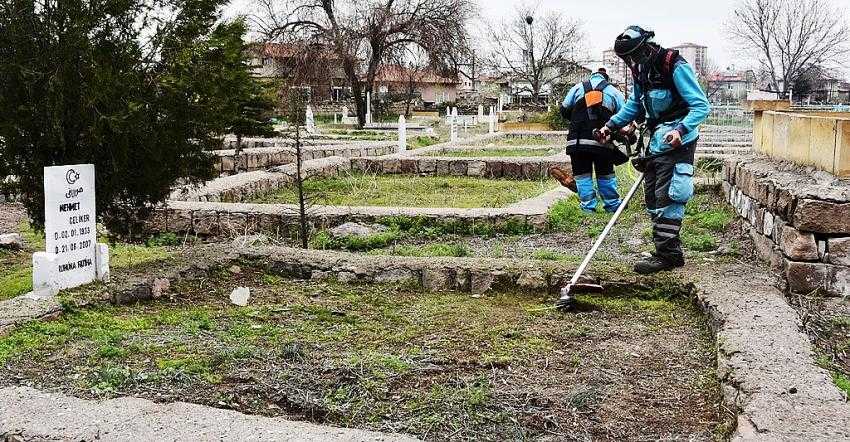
(72, 256)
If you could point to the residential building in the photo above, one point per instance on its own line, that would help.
(312, 68)
(617, 69)
(728, 86)
(432, 88)
(696, 55)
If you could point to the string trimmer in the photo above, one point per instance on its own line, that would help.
(567, 300)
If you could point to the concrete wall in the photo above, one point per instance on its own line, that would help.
(821, 142)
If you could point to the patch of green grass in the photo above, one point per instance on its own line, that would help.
(534, 140)
(323, 240)
(164, 239)
(412, 191)
(420, 142)
(843, 382)
(551, 255)
(566, 215)
(15, 281)
(481, 153)
(699, 242)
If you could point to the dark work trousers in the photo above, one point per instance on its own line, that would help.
(585, 162)
(668, 186)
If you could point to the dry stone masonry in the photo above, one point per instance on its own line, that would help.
(798, 218)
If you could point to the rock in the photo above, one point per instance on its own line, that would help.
(396, 276)
(533, 279)
(235, 269)
(839, 251)
(11, 241)
(798, 246)
(251, 241)
(768, 224)
(355, 229)
(240, 296)
(437, 280)
(476, 168)
(159, 287)
(822, 217)
(481, 283)
(805, 277)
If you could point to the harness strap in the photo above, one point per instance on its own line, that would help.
(585, 142)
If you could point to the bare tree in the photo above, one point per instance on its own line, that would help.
(535, 50)
(362, 33)
(709, 79)
(788, 36)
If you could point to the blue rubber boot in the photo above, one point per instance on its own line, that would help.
(608, 191)
(586, 193)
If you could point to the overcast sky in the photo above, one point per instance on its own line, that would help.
(674, 21)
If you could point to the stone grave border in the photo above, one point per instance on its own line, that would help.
(259, 158)
(798, 218)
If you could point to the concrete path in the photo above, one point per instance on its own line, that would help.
(30, 415)
(766, 363)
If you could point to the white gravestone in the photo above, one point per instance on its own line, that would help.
(454, 131)
(402, 134)
(368, 108)
(344, 111)
(492, 120)
(481, 111)
(310, 120)
(69, 226)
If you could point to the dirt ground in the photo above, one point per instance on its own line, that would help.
(439, 366)
(827, 321)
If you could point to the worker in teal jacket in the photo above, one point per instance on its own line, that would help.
(588, 106)
(666, 92)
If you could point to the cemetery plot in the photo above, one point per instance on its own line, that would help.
(384, 357)
(16, 266)
(358, 189)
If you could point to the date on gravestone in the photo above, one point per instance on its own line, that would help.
(69, 222)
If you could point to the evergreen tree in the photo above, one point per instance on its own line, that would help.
(131, 86)
(250, 105)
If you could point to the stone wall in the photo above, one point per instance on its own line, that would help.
(265, 157)
(517, 168)
(798, 218)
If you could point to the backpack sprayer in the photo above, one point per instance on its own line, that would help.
(567, 300)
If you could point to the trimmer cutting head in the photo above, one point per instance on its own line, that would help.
(568, 301)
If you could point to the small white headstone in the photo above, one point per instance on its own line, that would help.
(310, 121)
(102, 259)
(454, 132)
(344, 111)
(45, 274)
(368, 108)
(69, 224)
(480, 111)
(402, 134)
(492, 120)
(336, 119)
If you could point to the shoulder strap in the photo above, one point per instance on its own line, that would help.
(587, 86)
(601, 86)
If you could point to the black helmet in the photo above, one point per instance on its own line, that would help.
(631, 40)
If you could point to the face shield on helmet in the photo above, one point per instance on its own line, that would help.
(632, 45)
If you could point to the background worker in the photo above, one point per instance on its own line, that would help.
(588, 106)
(667, 93)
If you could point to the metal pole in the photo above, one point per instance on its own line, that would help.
(608, 227)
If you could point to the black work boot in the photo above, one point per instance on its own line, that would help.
(655, 264)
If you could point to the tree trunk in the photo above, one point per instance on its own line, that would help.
(299, 182)
(238, 157)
